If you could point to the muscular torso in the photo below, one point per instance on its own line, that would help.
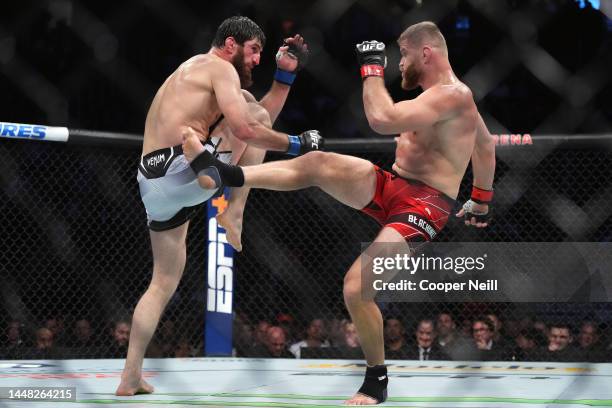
(185, 99)
(439, 155)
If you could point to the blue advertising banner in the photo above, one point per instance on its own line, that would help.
(220, 278)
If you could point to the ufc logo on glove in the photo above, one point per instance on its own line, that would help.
(372, 45)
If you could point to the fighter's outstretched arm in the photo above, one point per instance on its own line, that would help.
(226, 86)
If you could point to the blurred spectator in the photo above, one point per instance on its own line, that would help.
(154, 350)
(466, 327)
(13, 335)
(117, 342)
(559, 340)
(395, 340)
(287, 323)
(498, 337)
(345, 346)
(512, 328)
(275, 345)
(528, 343)
(44, 338)
(446, 329)
(489, 350)
(261, 331)
(335, 331)
(589, 343)
(453, 343)
(44, 347)
(243, 337)
(183, 349)
(163, 343)
(82, 332)
(425, 348)
(541, 326)
(166, 338)
(315, 337)
(83, 342)
(56, 325)
(351, 338)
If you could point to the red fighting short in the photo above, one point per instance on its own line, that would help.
(412, 208)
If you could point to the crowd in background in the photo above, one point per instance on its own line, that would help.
(487, 337)
(57, 338)
(91, 251)
(442, 337)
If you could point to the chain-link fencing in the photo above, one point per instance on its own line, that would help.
(76, 254)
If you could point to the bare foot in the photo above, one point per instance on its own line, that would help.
(233, 228)
(126, 389)
(192, 148)
(360, 399)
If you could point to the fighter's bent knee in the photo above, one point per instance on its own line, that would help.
(314, 166)
(319, 160)
(351, 291)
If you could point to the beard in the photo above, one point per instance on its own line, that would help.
(244, 73)
(411, 78)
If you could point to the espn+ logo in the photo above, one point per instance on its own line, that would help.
(220, 270)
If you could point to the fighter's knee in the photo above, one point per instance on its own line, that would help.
(316, 164)
(351, 291)
(316, 156)
(163, 291)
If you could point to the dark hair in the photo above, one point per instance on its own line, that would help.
(125, 320)
(393, 317)
(488, 322)
(447, 312)
(241, 28)
(534, 335)
(426, 320)
(560, 325)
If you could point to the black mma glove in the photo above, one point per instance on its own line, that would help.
(371, 57)
(479, 196)
(298, 52)
(308, 141)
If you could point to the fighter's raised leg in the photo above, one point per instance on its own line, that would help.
(348, 179)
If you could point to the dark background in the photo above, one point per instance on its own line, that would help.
(74, 242)
(534, 66)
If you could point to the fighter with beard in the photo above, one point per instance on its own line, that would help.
(195, 98)
(439, 132)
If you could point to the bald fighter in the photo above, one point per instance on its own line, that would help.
(195, 98)
(439, 132)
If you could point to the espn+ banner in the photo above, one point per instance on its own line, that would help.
(220, 283)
